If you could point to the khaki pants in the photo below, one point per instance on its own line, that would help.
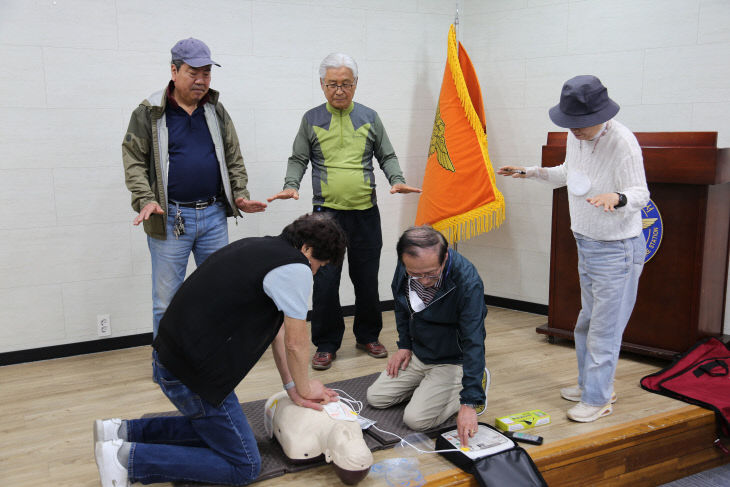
(433, 391)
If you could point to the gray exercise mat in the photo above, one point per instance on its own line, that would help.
(273, 461)
(390, 419)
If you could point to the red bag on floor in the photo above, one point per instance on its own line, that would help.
(700, 376)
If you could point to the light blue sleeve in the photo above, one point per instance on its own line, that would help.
(289, 286)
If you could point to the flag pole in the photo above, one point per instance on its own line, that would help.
(458, 40)
(456, 27)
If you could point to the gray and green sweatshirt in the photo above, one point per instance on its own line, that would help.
(341, 145)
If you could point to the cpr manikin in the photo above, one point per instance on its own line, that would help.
(305, 433)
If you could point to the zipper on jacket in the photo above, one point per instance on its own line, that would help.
(342, 139)
(444, 294)
(412, 313)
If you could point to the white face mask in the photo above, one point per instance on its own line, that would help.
(416, 303)
(578, 182)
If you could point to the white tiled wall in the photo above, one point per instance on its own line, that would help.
(75, 69)
(667, 63)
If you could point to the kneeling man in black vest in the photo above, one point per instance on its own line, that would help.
(218, 325)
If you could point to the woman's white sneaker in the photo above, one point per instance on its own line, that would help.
(584, 413)
(573, 394)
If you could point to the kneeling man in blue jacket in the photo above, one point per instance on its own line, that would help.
(439, 314)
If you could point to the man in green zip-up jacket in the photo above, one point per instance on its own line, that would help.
(183, 166)
(341, 138)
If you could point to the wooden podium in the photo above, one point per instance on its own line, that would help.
(682, 288)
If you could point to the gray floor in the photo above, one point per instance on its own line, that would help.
(717, 477)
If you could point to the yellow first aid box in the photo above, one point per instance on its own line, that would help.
(523, 421)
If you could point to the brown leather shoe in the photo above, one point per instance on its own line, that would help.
(323, 360)
(374, 349)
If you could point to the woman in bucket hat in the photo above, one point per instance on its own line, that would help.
(604, 173)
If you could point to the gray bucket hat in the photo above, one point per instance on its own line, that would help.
(192, 52)
(584, 102)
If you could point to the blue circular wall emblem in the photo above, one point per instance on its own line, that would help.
(651, 222)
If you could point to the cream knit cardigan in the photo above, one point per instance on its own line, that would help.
(613, 163)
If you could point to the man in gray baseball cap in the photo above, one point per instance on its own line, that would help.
(604, 173)
(192, 52)
(184, 169)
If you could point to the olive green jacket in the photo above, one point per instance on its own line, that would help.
(145, 157)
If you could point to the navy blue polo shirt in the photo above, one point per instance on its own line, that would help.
(194, 173)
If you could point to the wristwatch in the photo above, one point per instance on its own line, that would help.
(621, 200)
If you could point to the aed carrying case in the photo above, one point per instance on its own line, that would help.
(493, 459)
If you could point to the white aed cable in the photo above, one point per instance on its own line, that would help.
(353, 403)
(357, 406)
(403, 440)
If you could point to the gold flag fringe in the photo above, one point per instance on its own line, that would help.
(484, 218)
(474, 222)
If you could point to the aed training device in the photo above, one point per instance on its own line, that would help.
(493, 459)
(523, 421)
(485, 442)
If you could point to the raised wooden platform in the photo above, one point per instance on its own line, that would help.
(48, 409)
(644, 452)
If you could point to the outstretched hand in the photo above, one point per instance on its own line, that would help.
(149, 209)
(284, 195)
(404, 188)
(514, 171)
(607, 200)
(248, 206)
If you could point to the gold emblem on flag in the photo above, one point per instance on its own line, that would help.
(438, 143)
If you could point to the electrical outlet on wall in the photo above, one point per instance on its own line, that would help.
(103, 325)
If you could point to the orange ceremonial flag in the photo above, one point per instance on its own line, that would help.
(460, 197)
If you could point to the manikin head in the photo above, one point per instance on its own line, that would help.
(348, 453)
(305, 434)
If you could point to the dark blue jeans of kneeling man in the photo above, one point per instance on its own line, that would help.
(209, 444)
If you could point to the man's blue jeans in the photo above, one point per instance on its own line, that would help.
(206, 231)
(609, 277)
(209, 444)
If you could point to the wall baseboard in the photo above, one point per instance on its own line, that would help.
(117, 343)
(517, 305)
(79, 348)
